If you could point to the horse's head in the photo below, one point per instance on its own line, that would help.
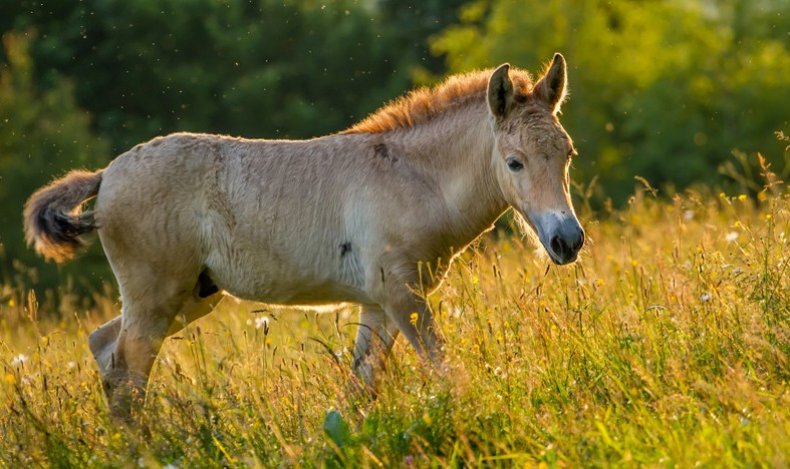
(532, 154)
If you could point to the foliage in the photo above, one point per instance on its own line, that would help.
(42, 134)
(263, 68)
(667, 344)
(663, 89)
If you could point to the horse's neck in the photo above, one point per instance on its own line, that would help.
(456, 149)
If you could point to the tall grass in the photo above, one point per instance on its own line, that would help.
(667, 343)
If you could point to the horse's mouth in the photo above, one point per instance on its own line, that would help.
(561, 236)
(557, 261)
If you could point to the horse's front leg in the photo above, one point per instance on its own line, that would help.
(375, 336)
(414, 319)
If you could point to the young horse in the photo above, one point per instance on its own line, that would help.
(348, 217)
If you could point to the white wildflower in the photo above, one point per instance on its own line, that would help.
(731, 236)
(19, 360)
(688, 215)
(705, 297)
(262, 321)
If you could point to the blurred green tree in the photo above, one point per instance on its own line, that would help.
(410, 23)
(41, 134)
(266, 68)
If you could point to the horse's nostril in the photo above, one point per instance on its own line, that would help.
(579, 242)
(558, 246)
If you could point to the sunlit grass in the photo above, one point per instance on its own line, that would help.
(668, 343)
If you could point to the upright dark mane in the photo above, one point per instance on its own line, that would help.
(423, 104)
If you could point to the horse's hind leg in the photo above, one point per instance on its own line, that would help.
(150, 303)
(144, 325)
(102, 341)
(126, 347)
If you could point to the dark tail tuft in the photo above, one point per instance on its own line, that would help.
(54, 220)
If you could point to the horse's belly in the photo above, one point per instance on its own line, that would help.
(268, 281)
(304, 293)
(279, 259)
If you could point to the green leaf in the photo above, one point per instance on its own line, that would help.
(336, 428)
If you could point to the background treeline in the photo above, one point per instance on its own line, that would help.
(663, 89)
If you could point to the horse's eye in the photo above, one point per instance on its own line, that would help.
(514, 164)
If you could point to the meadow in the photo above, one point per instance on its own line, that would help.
(666, 344)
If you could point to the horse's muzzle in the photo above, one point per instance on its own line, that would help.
(561, 235)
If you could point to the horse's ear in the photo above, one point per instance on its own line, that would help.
(500, 92)
(552, 87)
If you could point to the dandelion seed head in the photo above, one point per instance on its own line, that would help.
(262, 321)
(19, 360)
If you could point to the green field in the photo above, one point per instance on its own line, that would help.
(667, 343)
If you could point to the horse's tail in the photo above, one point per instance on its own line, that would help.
(54, 220)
